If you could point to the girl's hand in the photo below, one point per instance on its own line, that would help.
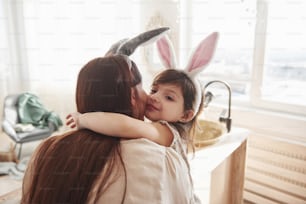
(72, 120)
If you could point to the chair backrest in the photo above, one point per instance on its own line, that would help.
(10, 110)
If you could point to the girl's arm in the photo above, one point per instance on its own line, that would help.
(115, 124)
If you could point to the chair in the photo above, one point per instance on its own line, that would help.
(11, 119)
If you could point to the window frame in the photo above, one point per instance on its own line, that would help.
(255, 99)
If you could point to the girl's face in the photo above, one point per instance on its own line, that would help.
(165, 102)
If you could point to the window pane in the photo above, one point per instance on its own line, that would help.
(285, 60)
(235, 21)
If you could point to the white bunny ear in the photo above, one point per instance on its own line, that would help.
(166, 52)
(202, 54)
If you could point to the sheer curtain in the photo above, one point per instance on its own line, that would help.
(13, 61)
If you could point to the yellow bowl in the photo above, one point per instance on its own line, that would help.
(208, 132)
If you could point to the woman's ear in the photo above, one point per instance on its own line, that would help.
(133, 97)
(188, 115)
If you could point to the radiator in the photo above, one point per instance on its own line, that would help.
(275, 171)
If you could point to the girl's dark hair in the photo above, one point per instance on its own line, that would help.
(66, 167)
(182, 80)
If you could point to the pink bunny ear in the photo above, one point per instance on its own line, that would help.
(202, 54)
(166, 52)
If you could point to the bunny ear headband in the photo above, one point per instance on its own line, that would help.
(128, 46)
(198, 61)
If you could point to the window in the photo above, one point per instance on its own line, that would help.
(261, 51)
(284, 63)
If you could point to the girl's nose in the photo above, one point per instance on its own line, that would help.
(154, 97)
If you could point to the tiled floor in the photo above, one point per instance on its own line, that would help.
(9, 186)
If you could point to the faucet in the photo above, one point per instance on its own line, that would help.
(227, 120)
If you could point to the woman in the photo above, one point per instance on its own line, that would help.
(86, 167)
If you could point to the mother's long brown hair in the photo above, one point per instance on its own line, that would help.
(66, 167)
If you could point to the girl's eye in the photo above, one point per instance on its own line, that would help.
(169, 98)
